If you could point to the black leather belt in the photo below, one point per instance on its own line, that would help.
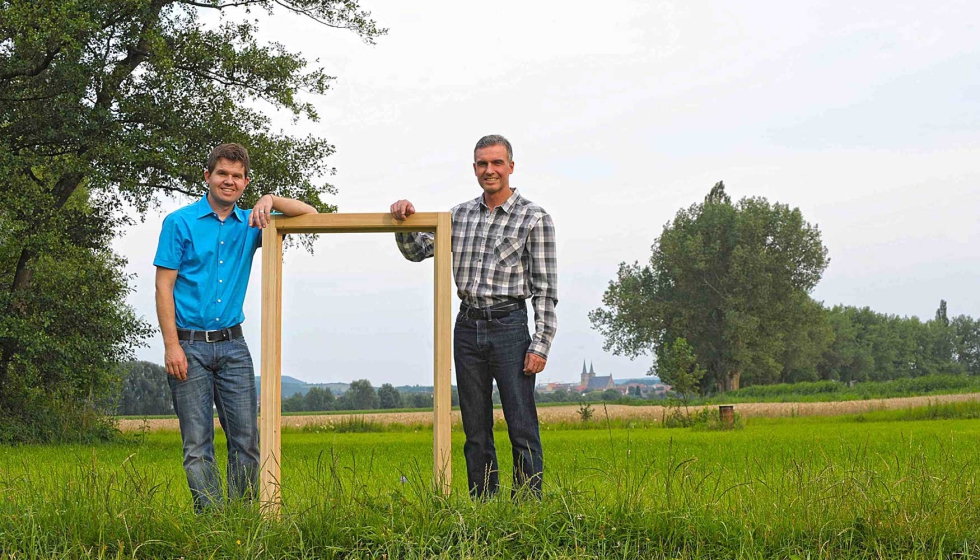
(494, 311)
(210, 336)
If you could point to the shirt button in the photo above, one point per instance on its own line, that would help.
(217, 318)
(220, 281)
(219, 301)
(222, 242)
(221, 262)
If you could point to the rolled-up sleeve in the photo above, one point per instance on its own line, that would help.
(544, 284)
(416, 247)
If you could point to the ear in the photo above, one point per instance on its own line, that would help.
(207, 175)
(512, 167)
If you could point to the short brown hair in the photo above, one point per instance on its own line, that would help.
(495, 140)
(230, 152)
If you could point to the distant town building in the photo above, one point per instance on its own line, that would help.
(589, 381)
(593, 382)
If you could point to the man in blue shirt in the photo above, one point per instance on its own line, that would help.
(203, 263)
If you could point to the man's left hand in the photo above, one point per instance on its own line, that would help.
(261, 212)
(533, 364)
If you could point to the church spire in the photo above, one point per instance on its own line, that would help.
(583, 368)
(591, 369)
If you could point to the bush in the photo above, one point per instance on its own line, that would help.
(56, 420)
(706, 419)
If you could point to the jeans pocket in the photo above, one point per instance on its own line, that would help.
(515, 319)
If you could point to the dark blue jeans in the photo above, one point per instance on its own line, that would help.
(488, 350)
(219, 375)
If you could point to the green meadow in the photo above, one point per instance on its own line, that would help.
(898, 484)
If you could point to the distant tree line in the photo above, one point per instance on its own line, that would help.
(564, 395)
(862, 345)
(144, 391)
(361, 395)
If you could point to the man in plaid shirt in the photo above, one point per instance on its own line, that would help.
(503, 253)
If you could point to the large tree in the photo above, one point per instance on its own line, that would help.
(362, 395)
(389, 397)
(731, 279)
(107, 102)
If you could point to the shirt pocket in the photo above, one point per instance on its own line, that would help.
(508, 252)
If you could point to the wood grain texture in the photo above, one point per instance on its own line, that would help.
(442, 360)
(271, 371)
(356, 223)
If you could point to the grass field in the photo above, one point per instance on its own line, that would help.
(885, 484)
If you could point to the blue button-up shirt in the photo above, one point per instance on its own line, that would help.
(213, 260)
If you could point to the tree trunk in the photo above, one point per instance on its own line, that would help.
(729, 381)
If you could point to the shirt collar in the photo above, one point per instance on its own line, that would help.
(204, 209)
(507, 205)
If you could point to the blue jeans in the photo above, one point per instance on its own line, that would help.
(219, 375)
(488, 350)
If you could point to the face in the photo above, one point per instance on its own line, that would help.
(227, 182)
(493, 169)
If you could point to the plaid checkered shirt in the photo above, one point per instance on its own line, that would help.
(509, 254)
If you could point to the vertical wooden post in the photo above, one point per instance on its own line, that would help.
(726, 413)
(269, 434)
(442, 344)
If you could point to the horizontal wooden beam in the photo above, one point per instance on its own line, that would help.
(355, 223)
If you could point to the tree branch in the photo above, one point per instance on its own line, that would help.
(261, 94)
(216, 5)
(35, 178)
(49, 57)
(134, 57)
(309, 14)
(173, 189)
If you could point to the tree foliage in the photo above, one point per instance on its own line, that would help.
(870, 346)
(109, 102)
(733, 280)
(362, 395)
(679, 368)
(389, 397)
(317, 399)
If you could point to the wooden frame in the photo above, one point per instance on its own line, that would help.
(271, 367)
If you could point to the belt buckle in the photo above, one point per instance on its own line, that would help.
(207, 336)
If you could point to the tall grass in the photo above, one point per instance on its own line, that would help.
(786, 488)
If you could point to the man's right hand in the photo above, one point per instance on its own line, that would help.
(175, 361)
(402, 209)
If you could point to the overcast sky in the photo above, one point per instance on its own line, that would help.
(865, 115)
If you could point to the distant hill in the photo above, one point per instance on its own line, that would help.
(292, 386)
(639, 381)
